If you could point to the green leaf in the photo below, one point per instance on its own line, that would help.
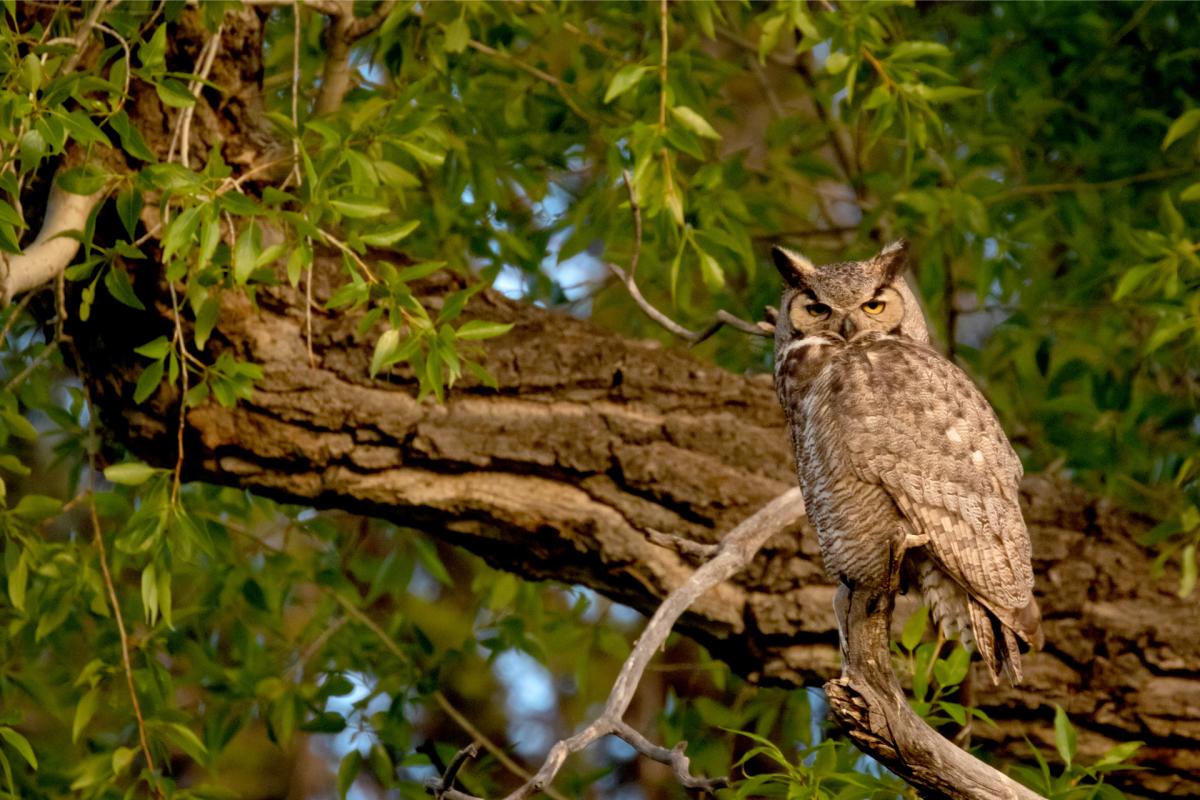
(37, 507)
(480, 329)
(131, 473)
(418, 271)
(85, 180)
(836, 63)
(122, 757)
(150, 594)
(914, 628)
(174, 93)
(131, 138)
(18, 580)
(358, 209)
(1118, 754)
(625, 79)
(148, 382)
(129, 209)
(458, 33)
(948, 94)
(1191, 194)
(911, 50)
(31, 73)
(84, 712)
(1181, 127)
(347, 771)
(386, 237)
(1064, 735)
(710, 271)
(206, 320)
(155, 348)
(118, 285)
(186, 740)
(1187, 570)
(694, 122)
(245, 253)
(21, 745)
(152, 52)
(387, 344)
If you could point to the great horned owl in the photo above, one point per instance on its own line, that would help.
(896, 451)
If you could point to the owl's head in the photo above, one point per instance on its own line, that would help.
(848, 298)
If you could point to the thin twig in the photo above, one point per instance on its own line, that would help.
(736, 551)
(37, 361)
(15, 314)
(296, 173)
(345, 248)
(180, 343)
(557, 83)
(1078, 186)
(183, 134)
(446, 781)
(721, 318)
(679, 544)
(85, 30)
(98, 540)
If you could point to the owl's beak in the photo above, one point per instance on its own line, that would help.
(848, 328)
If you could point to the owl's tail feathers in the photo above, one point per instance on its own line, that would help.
(999, 639)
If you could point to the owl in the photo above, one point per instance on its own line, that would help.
(902, 462)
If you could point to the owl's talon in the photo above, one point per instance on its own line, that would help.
(915, 540)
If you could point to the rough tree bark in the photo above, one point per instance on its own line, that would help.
(592, 441)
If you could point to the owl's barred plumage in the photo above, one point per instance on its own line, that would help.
(899, 455)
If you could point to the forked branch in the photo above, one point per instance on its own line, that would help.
(627, 277)
(736, 550)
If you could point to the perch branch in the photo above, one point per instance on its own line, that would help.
(869, 704)
(721, 318)
(51, 252)
(736, 550)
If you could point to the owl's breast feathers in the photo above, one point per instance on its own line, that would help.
(892, 413)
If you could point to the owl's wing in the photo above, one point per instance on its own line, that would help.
(914, 423)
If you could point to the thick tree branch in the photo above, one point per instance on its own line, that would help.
(52, 250)
(870, 705)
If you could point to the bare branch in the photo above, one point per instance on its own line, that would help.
(85, 30)
(51, 252)
(722, 317)
(681, 545)
(869, 704)
(736, 550)
(443, 785)
(675, 757)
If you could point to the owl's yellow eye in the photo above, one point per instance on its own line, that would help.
(817, 309)
(873, 306)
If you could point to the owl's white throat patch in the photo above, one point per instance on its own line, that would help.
(807, 341)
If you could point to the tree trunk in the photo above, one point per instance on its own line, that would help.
(591, 440)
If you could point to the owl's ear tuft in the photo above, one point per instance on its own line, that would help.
(892, 259)
(795, 269)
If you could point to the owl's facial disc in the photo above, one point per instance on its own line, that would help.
(881, 311)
